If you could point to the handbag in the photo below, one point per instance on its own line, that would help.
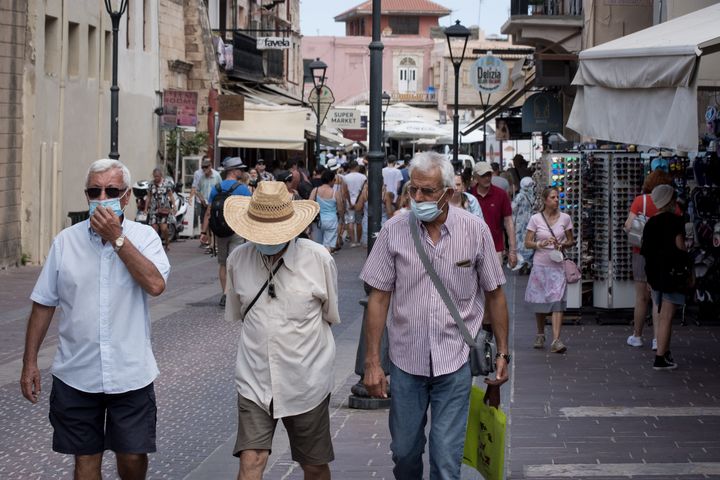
(570, 268)
(482, 347)
(485, 437)
(635, 233)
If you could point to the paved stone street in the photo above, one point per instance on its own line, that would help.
(599, 411)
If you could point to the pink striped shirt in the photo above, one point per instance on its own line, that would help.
(424, 339)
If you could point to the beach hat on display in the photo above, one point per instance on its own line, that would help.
(270, 216)
(662, 195)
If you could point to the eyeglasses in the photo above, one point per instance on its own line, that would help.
(427, 192)
(206, 167)
(110, 192)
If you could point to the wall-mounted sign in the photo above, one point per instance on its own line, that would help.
(489, 74)
(321, 103)
(356, 134)
(231, 107)
(542, 112)
(344, 118)
(179, 109)
(273, 43)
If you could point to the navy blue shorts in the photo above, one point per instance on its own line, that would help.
(90, 423)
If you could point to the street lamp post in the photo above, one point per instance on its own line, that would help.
(317, 69)
(386, 98)
(460, 33)
(115, 16)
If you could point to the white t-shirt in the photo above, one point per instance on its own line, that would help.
(392, 178)
(354, 182)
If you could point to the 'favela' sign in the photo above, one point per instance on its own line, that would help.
(273, 43)
(489, 74)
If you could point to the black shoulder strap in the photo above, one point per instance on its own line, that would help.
(233, 187)
(252, 304)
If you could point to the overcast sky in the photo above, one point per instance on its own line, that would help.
(316, 16)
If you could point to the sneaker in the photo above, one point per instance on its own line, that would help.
(654, 345)
(634, 341)
(222, 300)
(662, 363)
(669, 358)
(557, 346)
(539, 341)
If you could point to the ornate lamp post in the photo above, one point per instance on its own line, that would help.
(115, 16)
(455, 34)
(386, 98)
(317, 69)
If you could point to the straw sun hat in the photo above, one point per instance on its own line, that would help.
(270, 216)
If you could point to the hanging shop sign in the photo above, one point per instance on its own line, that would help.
(344, 118)
(489, 74)
(231, 107)
(356, 134)
(321, 103)
(179, 109)
(542, 112)
(274, 43)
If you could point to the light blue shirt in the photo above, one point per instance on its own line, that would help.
(104, 322)
(473, 206)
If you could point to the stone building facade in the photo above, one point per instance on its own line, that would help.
(13, 25)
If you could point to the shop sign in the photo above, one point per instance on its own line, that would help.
(321, 103)
(542, 112)
(355, 134)
(179, 109)
(231, 107)
(273, 43)
(344, 118)
(489, 74)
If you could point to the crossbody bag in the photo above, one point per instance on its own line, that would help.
(482, 347)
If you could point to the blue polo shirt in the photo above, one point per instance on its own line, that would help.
(242, 189)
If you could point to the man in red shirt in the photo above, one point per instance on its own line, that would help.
(496, 209)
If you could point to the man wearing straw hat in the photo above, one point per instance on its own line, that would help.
(284, 291)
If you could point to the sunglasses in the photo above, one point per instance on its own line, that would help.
(427, 192)
(110, 192)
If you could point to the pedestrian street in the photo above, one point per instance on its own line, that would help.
(598, 411)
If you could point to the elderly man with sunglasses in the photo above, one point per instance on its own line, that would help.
(429, 365)
(100, 272)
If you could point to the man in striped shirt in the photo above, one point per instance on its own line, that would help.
(429, 358)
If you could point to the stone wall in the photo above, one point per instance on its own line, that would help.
(172, 42)
(13, 23)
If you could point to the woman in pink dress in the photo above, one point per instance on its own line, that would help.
(549, 232)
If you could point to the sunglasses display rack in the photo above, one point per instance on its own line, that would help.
(563, 171)
(617, 179)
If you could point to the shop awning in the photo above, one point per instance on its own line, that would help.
(642, 88)
(281, 129)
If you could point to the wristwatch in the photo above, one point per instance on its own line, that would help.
(506, 356)
(119, 242)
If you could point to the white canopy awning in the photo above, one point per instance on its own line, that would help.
(642, 88)
(281, 128)
(414, 130)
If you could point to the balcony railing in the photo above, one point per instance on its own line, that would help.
(547, 7)
(415, 97)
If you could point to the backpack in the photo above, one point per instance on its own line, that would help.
(304, 186)
(217, 218)
(637, 226)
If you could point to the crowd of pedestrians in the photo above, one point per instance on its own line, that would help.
(274, 235)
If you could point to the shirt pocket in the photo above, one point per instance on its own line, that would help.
(300, 304)
(462, 283)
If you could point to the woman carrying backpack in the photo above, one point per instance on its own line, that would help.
(668, 269)
(641, 209)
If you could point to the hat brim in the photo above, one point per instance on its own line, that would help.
(236, 215)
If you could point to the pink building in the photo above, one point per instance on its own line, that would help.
(407, 67)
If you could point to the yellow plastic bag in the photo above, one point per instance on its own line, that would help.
(485, 437)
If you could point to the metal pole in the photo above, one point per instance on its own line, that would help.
(317, 127)
(178, 132)
(375, 154)
(456, 115)
(216, 143)
(485, 107)
(114, 89)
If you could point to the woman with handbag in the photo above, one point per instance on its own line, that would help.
(160, 204)
(668, 269)
(641, 209)
(548, 232)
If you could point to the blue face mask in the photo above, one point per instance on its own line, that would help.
(270, 250)
(426, 211)
(111, 203)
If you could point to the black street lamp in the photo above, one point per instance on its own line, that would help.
(386, 98)
(460, 33)
(115, 16)
(317, 69)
